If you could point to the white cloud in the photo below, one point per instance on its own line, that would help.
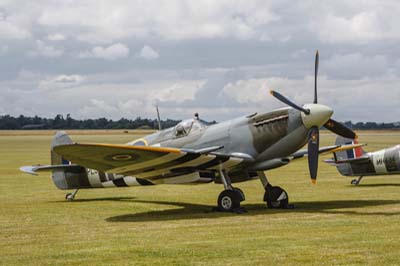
(179, 92)
(161, 19)
(56, 37)
(42, 49)
(148, 53)
(96, 107)
(356, 65)
(247, 91)
(10, 31)
(377, 23)
(61, 81)
(112, 52)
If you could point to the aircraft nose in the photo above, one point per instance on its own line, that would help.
(318, 116)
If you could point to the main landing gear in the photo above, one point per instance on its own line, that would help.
(355, 182)
(276, 197)
(71, 196)
(229, 199)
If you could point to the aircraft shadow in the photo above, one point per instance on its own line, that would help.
(379, 185)
(200, 211)
(97, 199)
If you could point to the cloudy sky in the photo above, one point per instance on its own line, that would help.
(217, 57)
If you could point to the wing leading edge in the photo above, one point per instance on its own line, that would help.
(146, 161)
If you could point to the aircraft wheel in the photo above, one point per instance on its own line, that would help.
(354, 182)
(276, 198)
(240, 192)
(69, 197)
(229, 200)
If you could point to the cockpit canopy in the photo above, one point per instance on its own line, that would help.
(189, 126)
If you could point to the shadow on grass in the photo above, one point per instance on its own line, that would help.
(97, 199)
(198, 211)
(379, 185)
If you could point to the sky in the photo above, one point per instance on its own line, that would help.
(219, 58)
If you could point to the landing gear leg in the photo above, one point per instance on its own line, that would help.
(355, 182)
(229, 199)
(276, 197)
(71, 196)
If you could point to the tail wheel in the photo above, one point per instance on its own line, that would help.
(69, 197)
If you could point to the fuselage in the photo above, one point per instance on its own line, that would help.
(382, 162)
(263, 136)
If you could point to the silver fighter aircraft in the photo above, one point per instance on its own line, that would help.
(194, 151)
(357, 162)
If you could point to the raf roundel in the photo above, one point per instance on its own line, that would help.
(121, 157)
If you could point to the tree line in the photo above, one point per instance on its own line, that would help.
(67, 122)
(372, 125)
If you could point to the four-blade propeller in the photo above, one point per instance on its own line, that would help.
(318, 114)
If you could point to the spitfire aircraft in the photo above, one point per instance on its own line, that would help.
(195, 151)
(357, 162)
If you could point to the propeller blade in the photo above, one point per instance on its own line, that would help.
(340, 129)
(285, 100)
(315, 76)
(313, 152)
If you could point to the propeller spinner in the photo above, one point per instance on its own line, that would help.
(314, 116)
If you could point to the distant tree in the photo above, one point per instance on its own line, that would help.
(59, 122)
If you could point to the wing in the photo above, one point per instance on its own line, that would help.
(145, 161)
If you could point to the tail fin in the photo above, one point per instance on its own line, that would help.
(61, 138)
(66, 178)
(345, 168)
(348, 154)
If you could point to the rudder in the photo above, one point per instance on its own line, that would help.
(61, 138)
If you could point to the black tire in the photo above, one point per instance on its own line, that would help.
(68, 197)
(276, 197)
(229, 200)
(240, 192)
(354, 182)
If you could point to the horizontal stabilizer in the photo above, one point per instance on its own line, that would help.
(362, 159)
(33, 169)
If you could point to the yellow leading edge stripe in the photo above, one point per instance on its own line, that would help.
(128, 147)
(347, 147)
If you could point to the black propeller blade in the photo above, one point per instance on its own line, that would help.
(283, 99)
(313, 134)
(340, 129)
(315, 77)
(313, 152)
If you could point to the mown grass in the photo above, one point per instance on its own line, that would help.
(333, 223)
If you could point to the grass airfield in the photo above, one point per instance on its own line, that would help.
(333, 223)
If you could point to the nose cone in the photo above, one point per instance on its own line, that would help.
(319, 115)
